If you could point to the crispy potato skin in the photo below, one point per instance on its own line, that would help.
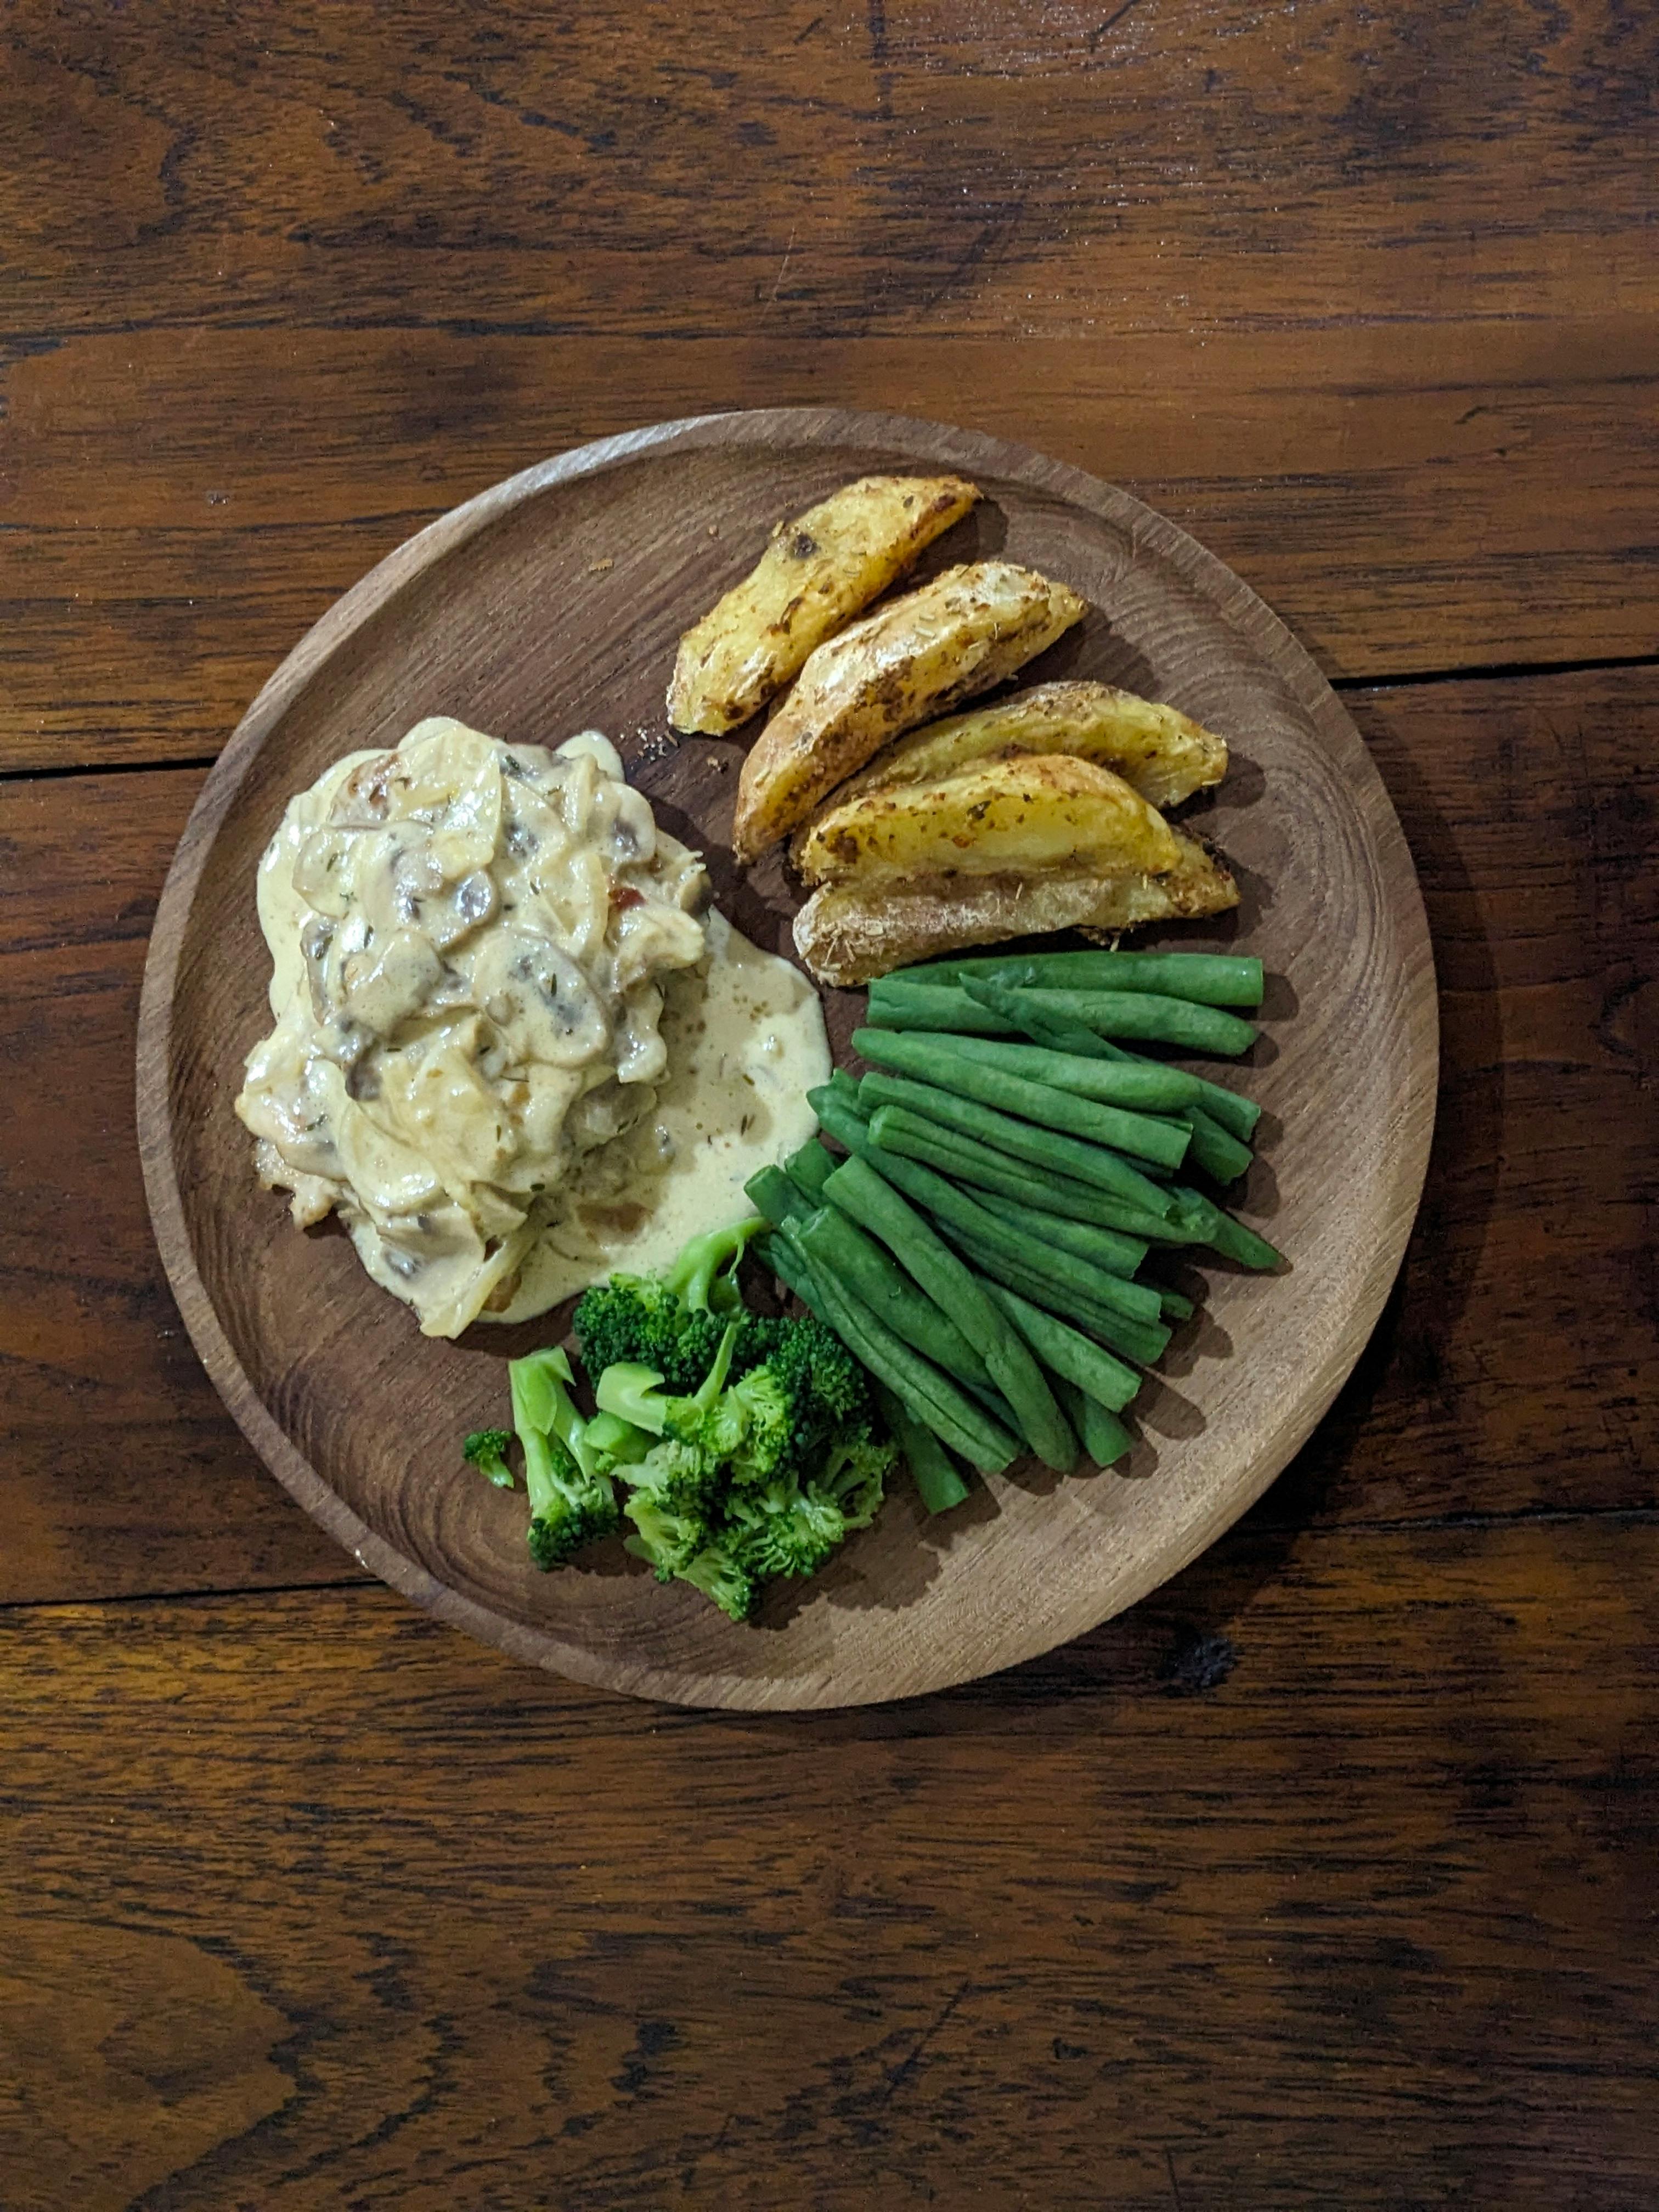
(820, 570)
(1164, 755)
(970, 628)
(1022, 815)
(847, 935)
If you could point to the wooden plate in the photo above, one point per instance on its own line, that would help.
(553, 603)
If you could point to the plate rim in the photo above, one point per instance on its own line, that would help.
(948, 445)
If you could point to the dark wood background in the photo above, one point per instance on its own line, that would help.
(1328, 1877)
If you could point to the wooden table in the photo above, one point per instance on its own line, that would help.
(1326, 1877)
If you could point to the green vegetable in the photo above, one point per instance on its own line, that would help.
(810, 1167)
(759, 1465)
(1070, 1272)
(903, 1004)
(1069, 1352)
(938, 1483)
(932, 1396)
(776, 1195)
(1210, 1225)
(895, 1129)
(1029, 1011)
(1211, 978)
(1143, 1340)
(896, 1004)
(1049, 1149)
(935, 1060)
(571, 1500)
(875, 1205)
(1108, 1247)
(1216, 1150)
(1155, 1019)
(1145, 1086)
(634, 1393)
(486, 1450)
(672, 1321)
(1105, 1438)
(864, 1268)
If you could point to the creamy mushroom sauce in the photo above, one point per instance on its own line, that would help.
(471, 942)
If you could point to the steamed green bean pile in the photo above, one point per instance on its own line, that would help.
(1011, 1173)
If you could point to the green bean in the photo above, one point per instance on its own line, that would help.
(877, 1205)
(1146, 1086)
(932, 1397)
(1142, 1340)
(832, 1242)
(846, 1085)
(1216, 1150)
(1026, 1010)
(895, 1129)
(933, 1060)
(1152, 1018)
(1045, 1148)
(809, 1168)
(1221, 1233)
(896, 1005)
(772, 1192)
(1076, 1276)
(1174, 1306)
(1213, 979)
(791, 1267)
(938, 1484)
(1118, 1255)
(1069, 1352)
(1105, 1438)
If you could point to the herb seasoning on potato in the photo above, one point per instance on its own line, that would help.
(819, 571)
(970, 628)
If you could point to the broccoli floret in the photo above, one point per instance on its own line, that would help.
(683, 1478)
(766, 1441)
(673, 1321)
(571, 1500)
(636, 1319)
(782, 1529)
(725, 1580)
(808, 1390)
(486, 1450)
(854, 1475)
(669, 1535)
(634, 1393)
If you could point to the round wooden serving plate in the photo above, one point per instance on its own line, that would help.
(553, 603)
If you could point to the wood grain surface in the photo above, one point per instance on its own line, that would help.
(1324, 1878)
(552, 603)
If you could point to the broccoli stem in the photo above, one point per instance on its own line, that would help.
(703, 1278)
(633, 1393)
(542, 1402)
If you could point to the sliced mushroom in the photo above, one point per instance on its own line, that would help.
(540, 999)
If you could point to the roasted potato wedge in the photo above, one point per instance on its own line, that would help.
(849, 933)
(1025, 814)
(818, 572)
(968, 628)
(1163, 754)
